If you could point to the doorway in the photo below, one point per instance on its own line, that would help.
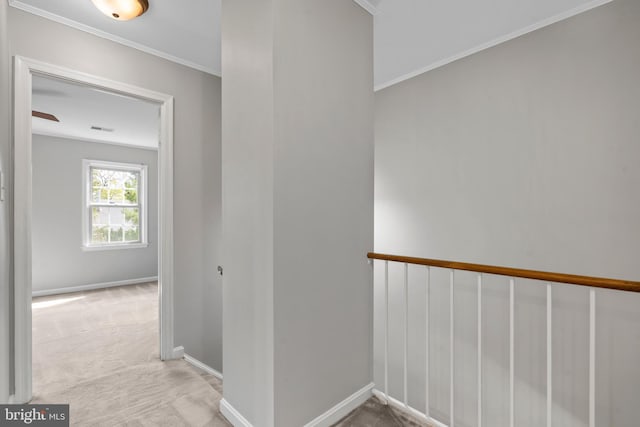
(24, 72)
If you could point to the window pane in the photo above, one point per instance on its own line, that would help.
(99, 195)
(100, 234)
(131, 180)
(100, 216)
(131, 216)
(131, 196)
(103, 177)
(111, 224)
(116, 216)
(132, 234)
(116, 234)
(114, 186)
(116, 195)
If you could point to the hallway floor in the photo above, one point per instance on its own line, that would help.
(98, 351)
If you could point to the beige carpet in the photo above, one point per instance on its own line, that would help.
(374, 414)
(98, 351)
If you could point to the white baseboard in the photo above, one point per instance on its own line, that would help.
(45, 292)
(414, 413)
(178, 353)
(234, 417)
(198, 364)
(343, 408)
(327, 419)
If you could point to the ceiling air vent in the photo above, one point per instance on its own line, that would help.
(100, 128)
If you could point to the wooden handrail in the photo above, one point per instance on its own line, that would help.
(572, 279)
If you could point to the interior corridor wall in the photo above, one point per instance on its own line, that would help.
(196, 136)
(58, 258)
(522, 155)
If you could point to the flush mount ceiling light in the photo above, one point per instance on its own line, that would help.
(122, 10)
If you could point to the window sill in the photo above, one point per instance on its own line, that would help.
(115, 247)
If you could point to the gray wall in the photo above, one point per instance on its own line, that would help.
(5, 260)
(298, 204)
(323, 205)
(196, 135)
(523, 155)
(247, 194)
(57, 256)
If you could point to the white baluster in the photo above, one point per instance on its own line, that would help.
(479, 350)
(406, 335)
(426, 389)
(511, 352)
(386, 330)
(592, 357)
(549, 357)
(451, 349)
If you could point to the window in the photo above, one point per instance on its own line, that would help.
(114, 205)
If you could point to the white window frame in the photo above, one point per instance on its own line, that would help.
(141, 169)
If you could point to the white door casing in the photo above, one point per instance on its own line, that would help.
(24, 69)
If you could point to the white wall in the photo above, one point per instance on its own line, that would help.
(196, 134)
(5, 260)
(57, 256)
(523, 155)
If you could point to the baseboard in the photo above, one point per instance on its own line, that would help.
(46, 292)
(234, 417)
(408, 410)
(327, 419)
(343, 408)
(178, 353)
(198, 364)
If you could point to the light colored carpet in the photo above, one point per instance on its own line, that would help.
(98, 351)
(374, 414)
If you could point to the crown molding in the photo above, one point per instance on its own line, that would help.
(499, 40)
(105, 35)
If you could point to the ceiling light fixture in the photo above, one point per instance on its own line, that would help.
(122, 10)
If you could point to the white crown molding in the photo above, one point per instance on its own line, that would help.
(46, 292)
(343, 408)
(203, 367)
(540, 24)
(103, 34)
(368, 6)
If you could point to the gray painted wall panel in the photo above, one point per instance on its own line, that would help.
(298, 198)
(247, 194)
(523, 155)
(323, 201)
(58, 258)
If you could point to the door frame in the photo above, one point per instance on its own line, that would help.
(24, 69)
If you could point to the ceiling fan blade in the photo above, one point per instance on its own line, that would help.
(45, 116)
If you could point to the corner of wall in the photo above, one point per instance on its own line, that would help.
(5, 253)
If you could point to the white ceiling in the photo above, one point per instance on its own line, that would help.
(186, 31)
(410, 36)
(134, 122)
(414, 36)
